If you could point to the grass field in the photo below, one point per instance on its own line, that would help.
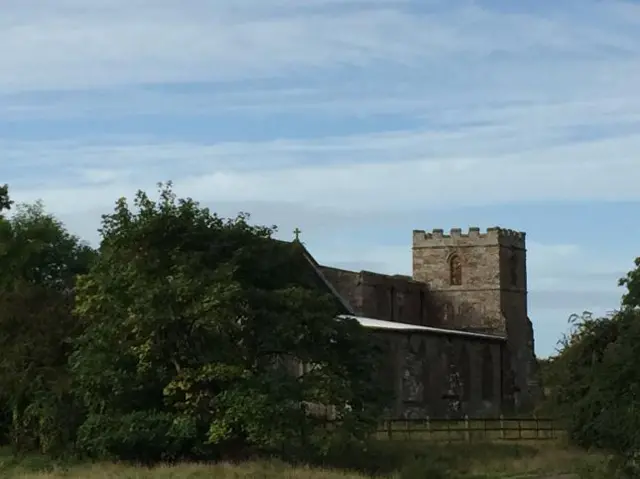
(414, 460)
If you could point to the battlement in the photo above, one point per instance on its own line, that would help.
(493, 235)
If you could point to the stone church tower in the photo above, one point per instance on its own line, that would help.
(479, 281)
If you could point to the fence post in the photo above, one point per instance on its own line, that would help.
(429, 432)
(519, 428)
(535, 417)
(467, 431)
(502, 429)
(390, 429)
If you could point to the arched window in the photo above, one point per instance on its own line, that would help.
(487, 374)
(513, 269)
(455, 270)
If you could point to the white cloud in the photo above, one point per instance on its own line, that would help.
(77, 44)
(506, 108)
(461, 169)
(573, 269)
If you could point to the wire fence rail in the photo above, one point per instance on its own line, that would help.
(471, 429)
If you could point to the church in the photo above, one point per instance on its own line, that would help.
(457, 333)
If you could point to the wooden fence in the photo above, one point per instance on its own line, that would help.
(471, 429)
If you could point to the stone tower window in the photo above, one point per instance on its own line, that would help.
(455, 270)
(513, 269)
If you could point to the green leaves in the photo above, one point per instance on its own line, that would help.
(631, 281)
(5, 201)
(185, 334)
(595, 378)
(39, 261)
(206, 319)
(36, 248)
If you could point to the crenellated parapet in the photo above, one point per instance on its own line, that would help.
(473, 236)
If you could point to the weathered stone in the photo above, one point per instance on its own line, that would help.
(474, 282)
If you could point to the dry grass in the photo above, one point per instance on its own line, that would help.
(413, 460)
(256, 470)
(541, 459)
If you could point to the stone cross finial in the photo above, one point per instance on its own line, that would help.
(297, 232)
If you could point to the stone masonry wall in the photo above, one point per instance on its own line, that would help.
(389, 298)
(492, 293)
(347, 283)
(491, 297)
(394, 298)
(443, 376)
(475, 303)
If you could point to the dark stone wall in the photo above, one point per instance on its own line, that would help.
(488, 294)
(389, 298)
(446, 375)
(442, 376)
(491, 294)
(394, 298)
(347, 283)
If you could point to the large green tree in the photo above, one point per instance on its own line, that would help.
(192, 327)
(631, 282)
(595, 378)
(39, 260)
(5, 201)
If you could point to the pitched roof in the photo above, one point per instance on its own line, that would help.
(371, 323)
(377, 324)
(348, 309)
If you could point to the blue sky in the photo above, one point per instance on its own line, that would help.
(356, 120)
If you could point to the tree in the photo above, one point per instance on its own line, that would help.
(570, 374)
(5, 201)
(192, 325)
(595, 378)
(631, 281)
(39, 260)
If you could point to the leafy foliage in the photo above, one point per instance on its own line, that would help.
(595, 378)
(5, 201)
(192, 328)
(631, 299)
(185, 335)
(39, 260)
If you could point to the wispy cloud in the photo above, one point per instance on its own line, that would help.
(352, 119)
(82, 45)
(349, 173)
